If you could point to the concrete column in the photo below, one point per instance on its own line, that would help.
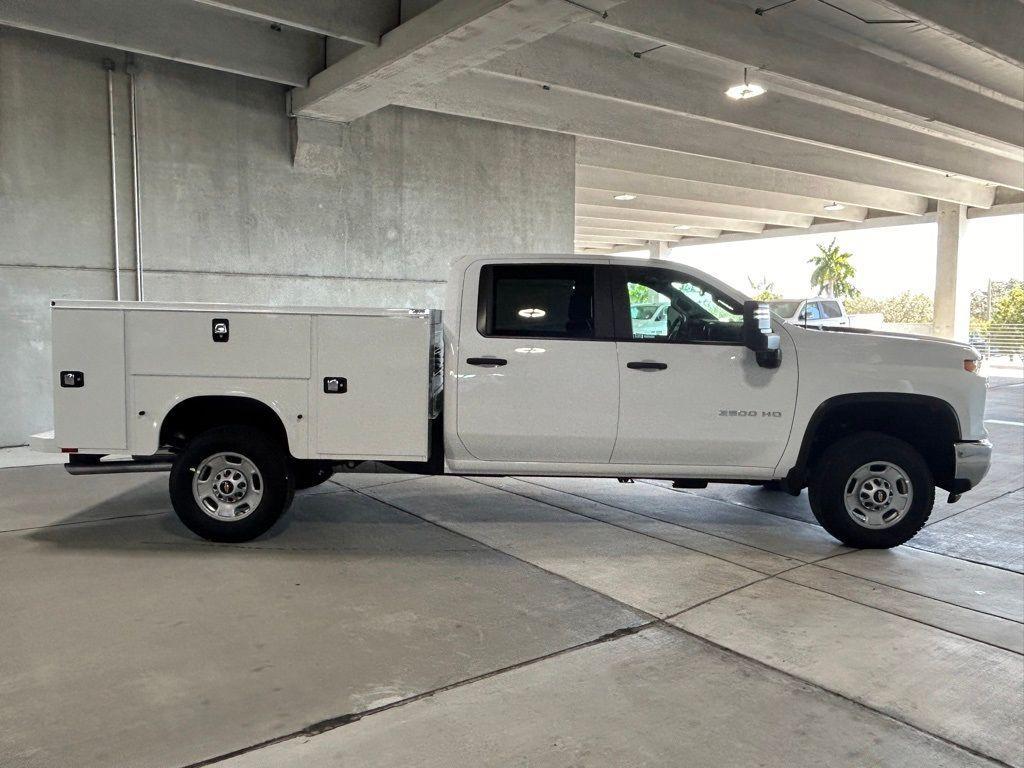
(658, 249)
(952, 300)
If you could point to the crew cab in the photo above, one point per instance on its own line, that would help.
(537, 366)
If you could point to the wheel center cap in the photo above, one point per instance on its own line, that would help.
(880, 496)
(226, 487)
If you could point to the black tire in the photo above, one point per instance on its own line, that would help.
(275, 483)
(841, 460)
(309, 474)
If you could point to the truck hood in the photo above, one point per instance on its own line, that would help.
(968, 350)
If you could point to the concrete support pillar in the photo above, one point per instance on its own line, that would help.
(658, 249)
(952, 300)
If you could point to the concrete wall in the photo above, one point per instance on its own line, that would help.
(371, 216)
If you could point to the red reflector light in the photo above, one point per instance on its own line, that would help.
(971, 366)
(69, 450)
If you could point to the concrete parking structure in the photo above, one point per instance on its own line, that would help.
(338, 157)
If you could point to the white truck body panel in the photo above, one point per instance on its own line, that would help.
(559, 406)
(140, 360)
(154, 397)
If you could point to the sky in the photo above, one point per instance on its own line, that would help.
(889, 260)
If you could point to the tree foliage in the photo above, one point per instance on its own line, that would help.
(909, 308)
(980, 298)
(864, 305)
(833, 273)
(641, 294)
(1010, 307)
(906, 308)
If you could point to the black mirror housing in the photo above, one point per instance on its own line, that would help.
(758, 335)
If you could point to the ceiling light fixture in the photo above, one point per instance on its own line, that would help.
(624, 197)
(833, 206)
(681, 227)
(747, 90)
(531, 313)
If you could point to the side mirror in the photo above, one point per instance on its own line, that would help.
(758, 336)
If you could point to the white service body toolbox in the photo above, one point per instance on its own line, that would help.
(357, 384)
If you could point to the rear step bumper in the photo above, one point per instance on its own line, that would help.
(79, 464)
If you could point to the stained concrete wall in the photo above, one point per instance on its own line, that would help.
(373, 219)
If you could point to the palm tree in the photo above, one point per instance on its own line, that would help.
(764, 289)
(833, 273)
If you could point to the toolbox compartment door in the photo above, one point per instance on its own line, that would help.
(259, 345)
(381, 408)
(89, 408)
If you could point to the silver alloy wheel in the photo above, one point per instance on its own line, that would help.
(227, 486)
(878, 495)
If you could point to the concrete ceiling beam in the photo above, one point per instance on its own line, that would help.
(822, 68)
(625, 237)
(662, 221)
(595, 61)
(664, 205)
(609, 240)
(445, 38)
(180, 30)
(507, 100)
(657, 191)
(359, 21)
(643, 230)
(662, 172)
(992, 26)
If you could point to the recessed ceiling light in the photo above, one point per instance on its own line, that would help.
(625, 196)
(681, 227)
(745, 90)
(834, 207)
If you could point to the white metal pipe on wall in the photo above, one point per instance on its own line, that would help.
(140, 293)
(108, 65)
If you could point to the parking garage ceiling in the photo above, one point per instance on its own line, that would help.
(871, 108)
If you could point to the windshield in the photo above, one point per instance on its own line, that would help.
(785, 308)
(644, 311)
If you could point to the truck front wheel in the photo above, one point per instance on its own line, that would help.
(231, 484)
(872, 491)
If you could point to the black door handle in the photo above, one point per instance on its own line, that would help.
(486, 362)
(645, 366)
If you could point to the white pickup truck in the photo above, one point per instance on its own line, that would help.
(536, 367)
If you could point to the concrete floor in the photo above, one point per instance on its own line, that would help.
(391, 620)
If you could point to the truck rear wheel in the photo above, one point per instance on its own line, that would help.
(231, 484)
(872, 491)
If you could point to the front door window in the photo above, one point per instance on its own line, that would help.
(670, 307)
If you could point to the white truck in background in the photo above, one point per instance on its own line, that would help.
(536, 367)
(817, 312)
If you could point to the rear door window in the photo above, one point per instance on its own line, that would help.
(537, 300)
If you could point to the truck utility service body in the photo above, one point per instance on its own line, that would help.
(535, 367)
